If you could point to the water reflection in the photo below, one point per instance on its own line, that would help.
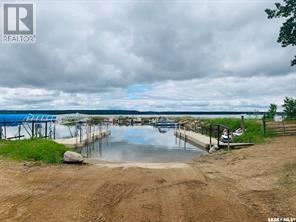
(140, 144)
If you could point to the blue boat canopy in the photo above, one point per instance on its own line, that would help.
(18, 119)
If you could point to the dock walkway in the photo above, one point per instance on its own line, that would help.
(203, 141)
(74, 142)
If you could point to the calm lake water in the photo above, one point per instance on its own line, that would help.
(134, 143)
(141, 144)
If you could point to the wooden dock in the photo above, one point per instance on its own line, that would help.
(74, 142)
(203, 141)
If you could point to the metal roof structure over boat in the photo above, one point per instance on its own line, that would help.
(18, 119)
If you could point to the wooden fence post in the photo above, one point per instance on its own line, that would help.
(218, 135)
(264, 125)
(228, 144)
(210, 136)
(243, 123)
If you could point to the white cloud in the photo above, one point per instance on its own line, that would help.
(195, 55)
(223, 93)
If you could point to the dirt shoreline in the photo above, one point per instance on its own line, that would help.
(250, 184)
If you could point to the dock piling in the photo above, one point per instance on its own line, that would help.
(210, 136)
(19, 132)
(184, 138)
(228, 140)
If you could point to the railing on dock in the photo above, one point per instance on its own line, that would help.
(214, 133)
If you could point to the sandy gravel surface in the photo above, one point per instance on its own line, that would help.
(245, 185)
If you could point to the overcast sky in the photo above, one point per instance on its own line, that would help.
(149, 55)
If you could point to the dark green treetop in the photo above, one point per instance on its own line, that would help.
(272, 111)
(287, 34)
(290, 108)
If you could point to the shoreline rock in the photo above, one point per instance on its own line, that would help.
(72, 157)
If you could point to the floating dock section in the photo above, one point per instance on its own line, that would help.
(77, 142)
(204, 141)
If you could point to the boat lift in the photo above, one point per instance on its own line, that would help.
(35, 125)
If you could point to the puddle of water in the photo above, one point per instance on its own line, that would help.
(141, 144)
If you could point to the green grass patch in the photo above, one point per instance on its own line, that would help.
(42, 150)
(253, 134)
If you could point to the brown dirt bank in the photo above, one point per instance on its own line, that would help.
(244, 185)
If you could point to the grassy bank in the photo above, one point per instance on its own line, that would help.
(254, 132)
(45, 151)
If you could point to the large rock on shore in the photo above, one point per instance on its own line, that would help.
(72, 157)
(213, 149)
